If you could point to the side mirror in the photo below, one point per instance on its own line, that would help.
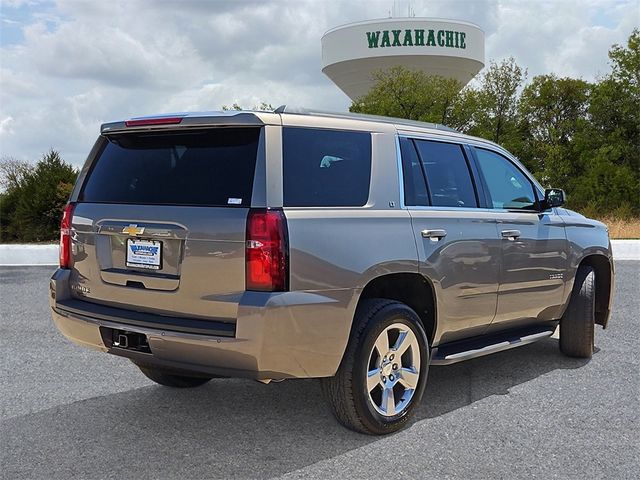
(553, 197)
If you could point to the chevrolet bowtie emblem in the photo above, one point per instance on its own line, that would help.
(133, 230)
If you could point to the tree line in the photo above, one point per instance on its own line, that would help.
(33, 197)
(572, 134)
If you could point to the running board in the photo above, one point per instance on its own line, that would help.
(477, 347)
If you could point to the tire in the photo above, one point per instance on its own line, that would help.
(163, 377)
(386, 406)
(578, 323)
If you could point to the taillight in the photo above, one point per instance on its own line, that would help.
(266, 251)
(65, 236)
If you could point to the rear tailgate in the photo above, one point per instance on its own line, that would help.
(160, 222)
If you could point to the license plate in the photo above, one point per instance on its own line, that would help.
(144, 254)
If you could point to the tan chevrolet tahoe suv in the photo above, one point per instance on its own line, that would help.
(357, 250)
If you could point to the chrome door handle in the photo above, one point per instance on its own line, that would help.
(511, 234)
(434, 235)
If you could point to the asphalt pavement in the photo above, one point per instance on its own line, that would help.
(71, 413)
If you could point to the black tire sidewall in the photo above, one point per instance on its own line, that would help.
(574, 321)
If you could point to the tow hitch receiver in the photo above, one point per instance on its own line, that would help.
(125, 340)
(122, 342)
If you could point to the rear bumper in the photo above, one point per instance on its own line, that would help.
(277, 335)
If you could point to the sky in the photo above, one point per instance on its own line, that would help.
(67, 66)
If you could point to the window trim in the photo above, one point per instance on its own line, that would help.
(104, 141)
(536, 206)
(480, 203)
(404, 177)
(478, 180)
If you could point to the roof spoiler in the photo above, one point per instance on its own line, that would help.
(182, 120)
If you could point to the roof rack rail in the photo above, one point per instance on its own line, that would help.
(361, 116)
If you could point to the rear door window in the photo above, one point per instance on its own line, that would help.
(202, 168)
(325, 168)
(448, 176)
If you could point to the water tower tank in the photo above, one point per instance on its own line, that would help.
(352, 53)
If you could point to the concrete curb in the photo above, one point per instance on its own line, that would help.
(12, 255)
(28, 255)
(626, 249)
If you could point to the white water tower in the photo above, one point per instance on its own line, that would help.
(352, 53)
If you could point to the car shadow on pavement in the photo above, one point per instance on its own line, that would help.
(232, 428)
(450, 387)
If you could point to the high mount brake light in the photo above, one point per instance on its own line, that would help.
(153, 121)
(267, 251)
(65, 236)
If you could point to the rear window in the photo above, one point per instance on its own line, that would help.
(326, 168)
(202, 168)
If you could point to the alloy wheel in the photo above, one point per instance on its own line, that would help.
(393, 370)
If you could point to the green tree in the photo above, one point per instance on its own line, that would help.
(610, 141)
(32, 206)
(605, 188)
(625, 62)
(464, 114)
(13, 172)
(497, 102)
(261, 107)
(234, 106)
(411, 94)
(552, 111)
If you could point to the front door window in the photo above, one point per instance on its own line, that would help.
(508, 187)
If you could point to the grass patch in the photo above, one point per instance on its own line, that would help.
(622, 228)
